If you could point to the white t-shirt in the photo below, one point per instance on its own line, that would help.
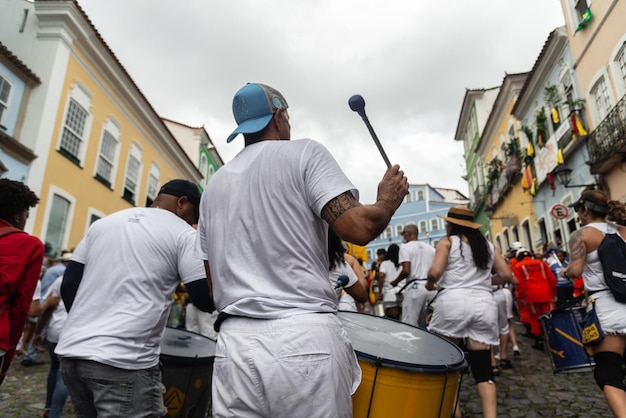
(461, 272)
(134, 259)
(420, 256)
(339, 270)
(261, 231)
(391, 273)
(59, 315)
(37, 294)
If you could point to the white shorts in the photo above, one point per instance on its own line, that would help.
(611, 313)
(390, 297)
(466, 313)
(416, 296)
(300, 366)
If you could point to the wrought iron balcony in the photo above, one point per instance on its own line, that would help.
(608, 140)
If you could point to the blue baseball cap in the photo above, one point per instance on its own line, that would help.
(254, 106)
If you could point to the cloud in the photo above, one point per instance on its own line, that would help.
(412, 62)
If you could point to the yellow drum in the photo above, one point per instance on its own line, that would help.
(407, 371)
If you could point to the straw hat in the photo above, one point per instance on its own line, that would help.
(460, 215)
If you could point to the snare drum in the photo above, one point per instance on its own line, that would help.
(407, 371)
(562, 335)
(187, 369)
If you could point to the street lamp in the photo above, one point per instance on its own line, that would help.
(564, 175)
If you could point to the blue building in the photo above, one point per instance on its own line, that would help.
(421, 207)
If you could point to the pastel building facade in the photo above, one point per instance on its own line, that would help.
(422, 207)
(98, 144)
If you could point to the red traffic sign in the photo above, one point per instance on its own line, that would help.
(559, 211)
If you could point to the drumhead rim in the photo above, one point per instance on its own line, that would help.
(413, 367)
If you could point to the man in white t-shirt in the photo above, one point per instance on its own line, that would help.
(118, 290)
(264, 218)
(416, 258)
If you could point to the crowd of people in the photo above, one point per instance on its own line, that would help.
(266, 269)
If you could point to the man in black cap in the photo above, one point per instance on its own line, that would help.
(118, 290)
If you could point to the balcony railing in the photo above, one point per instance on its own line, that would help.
(608, 139)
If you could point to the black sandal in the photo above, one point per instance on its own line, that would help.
(505, 363)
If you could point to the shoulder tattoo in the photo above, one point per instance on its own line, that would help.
(577, 245)
(337, 206)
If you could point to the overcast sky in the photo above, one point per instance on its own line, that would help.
(411, 60)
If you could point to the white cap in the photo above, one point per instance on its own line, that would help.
(516, 246)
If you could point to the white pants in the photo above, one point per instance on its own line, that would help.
(499, 296)
(200, 322)
(300, 366)
(416, 296)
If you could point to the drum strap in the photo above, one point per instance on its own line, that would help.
(369, 406)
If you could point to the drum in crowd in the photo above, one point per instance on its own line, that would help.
(562, 336)
(407, 371)
(187, 369)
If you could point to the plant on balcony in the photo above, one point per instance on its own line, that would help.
(575, 105)
(512, 165)
(494, 168)
(552, 96)
(542, 128)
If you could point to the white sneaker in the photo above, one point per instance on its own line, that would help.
(497, 356)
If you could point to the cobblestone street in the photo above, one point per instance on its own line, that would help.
(530, 389)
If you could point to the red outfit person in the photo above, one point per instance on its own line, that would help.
(21, 258)
(536, 289)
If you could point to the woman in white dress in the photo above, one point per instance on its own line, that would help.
(388, 271)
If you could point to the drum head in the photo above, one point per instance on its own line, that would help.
(396, 344)
(185, 345)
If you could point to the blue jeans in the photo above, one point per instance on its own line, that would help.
(98, 390)
(56, 393)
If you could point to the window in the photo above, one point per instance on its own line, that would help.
(204, 169)
(600, 98)
(106, 158)
(434, 224)
(620, 64)
(73, 130)
(388, 232)
(153, 185)
(568, 88)
(422, 227)
(420, 194)
(399, 229)
(515, 233)
(581, 7)
(131, 180)
(93, 218)
(407, 198)
(57, 221)
(5, 94)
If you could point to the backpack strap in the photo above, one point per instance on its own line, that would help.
(525, 271)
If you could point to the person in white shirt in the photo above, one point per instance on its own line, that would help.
(389, 270)
(465, 311)
(264, 219)
(352, 288)
(118, 290)
(416, 258)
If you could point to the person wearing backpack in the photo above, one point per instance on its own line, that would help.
(601, 217)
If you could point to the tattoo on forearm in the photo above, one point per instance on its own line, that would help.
(336, 207)
(577, 246)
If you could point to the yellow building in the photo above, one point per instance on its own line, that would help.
(509, 208)
(100, 145)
